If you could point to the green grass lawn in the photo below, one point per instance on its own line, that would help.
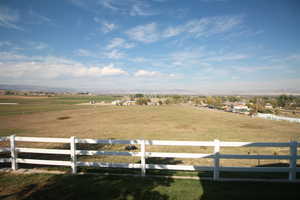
(49, 186)
(32, 105)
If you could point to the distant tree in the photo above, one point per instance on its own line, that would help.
(168, 101)
(138, 95)
(285, 100)
(142, 101)
(9, 92)
(177, 99)
(234, 98)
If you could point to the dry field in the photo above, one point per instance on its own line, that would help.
(175, 122)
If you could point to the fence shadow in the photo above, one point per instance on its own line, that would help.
(97, 186)
(250, 189)
(100, 187)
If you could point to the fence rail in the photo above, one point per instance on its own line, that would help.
(143, 154)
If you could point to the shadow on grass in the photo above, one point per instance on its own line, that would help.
(100, 187)
(248, 190)
(91, 186)
(251, 189)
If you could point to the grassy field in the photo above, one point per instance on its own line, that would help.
(47, 186)
(174, 122)
(30, 105)
(61, 117)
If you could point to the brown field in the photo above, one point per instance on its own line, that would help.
(165, 122)
(175, 122)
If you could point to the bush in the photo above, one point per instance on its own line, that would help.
(142, 101)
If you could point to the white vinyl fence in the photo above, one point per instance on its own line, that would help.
(275, 117)
(143, 154)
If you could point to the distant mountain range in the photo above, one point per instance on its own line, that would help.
(35, 88)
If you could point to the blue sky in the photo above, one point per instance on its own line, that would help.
(206, 46)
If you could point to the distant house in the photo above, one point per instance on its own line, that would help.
(268, 106)
(129, 103)
(241, 109)
(123, 103)
(116, 102)
(153, 104)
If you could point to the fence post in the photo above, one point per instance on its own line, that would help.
(13, 153)
(73, 154)
(143, 159)
(293, 160)
(216, 159)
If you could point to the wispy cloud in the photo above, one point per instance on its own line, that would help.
(36, 18)
(11, 56)
(5, 43)
(103, 54)
(106, 26)
(129, 7)
(146, 73)
(144, 33)
(124, 7)
(114, 54)
(203, 27)
(84, 53)
(119, 43)
(9, 18)
(208, 26)
(36, 45)
(13, 46)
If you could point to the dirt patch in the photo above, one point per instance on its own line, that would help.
(63, 118)
(252, 126)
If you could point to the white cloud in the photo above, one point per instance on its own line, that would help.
(211, 25)
(108, 70)
(129, 7)
(119, 43)
(111, 54)
(146, 73)
(9, 18)
(114, 54)
(144, 33)
(141, 9)
(84, 52)
(106, 26)
(203, 27)
(172, 31)
(49, 67)
(6, 56)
